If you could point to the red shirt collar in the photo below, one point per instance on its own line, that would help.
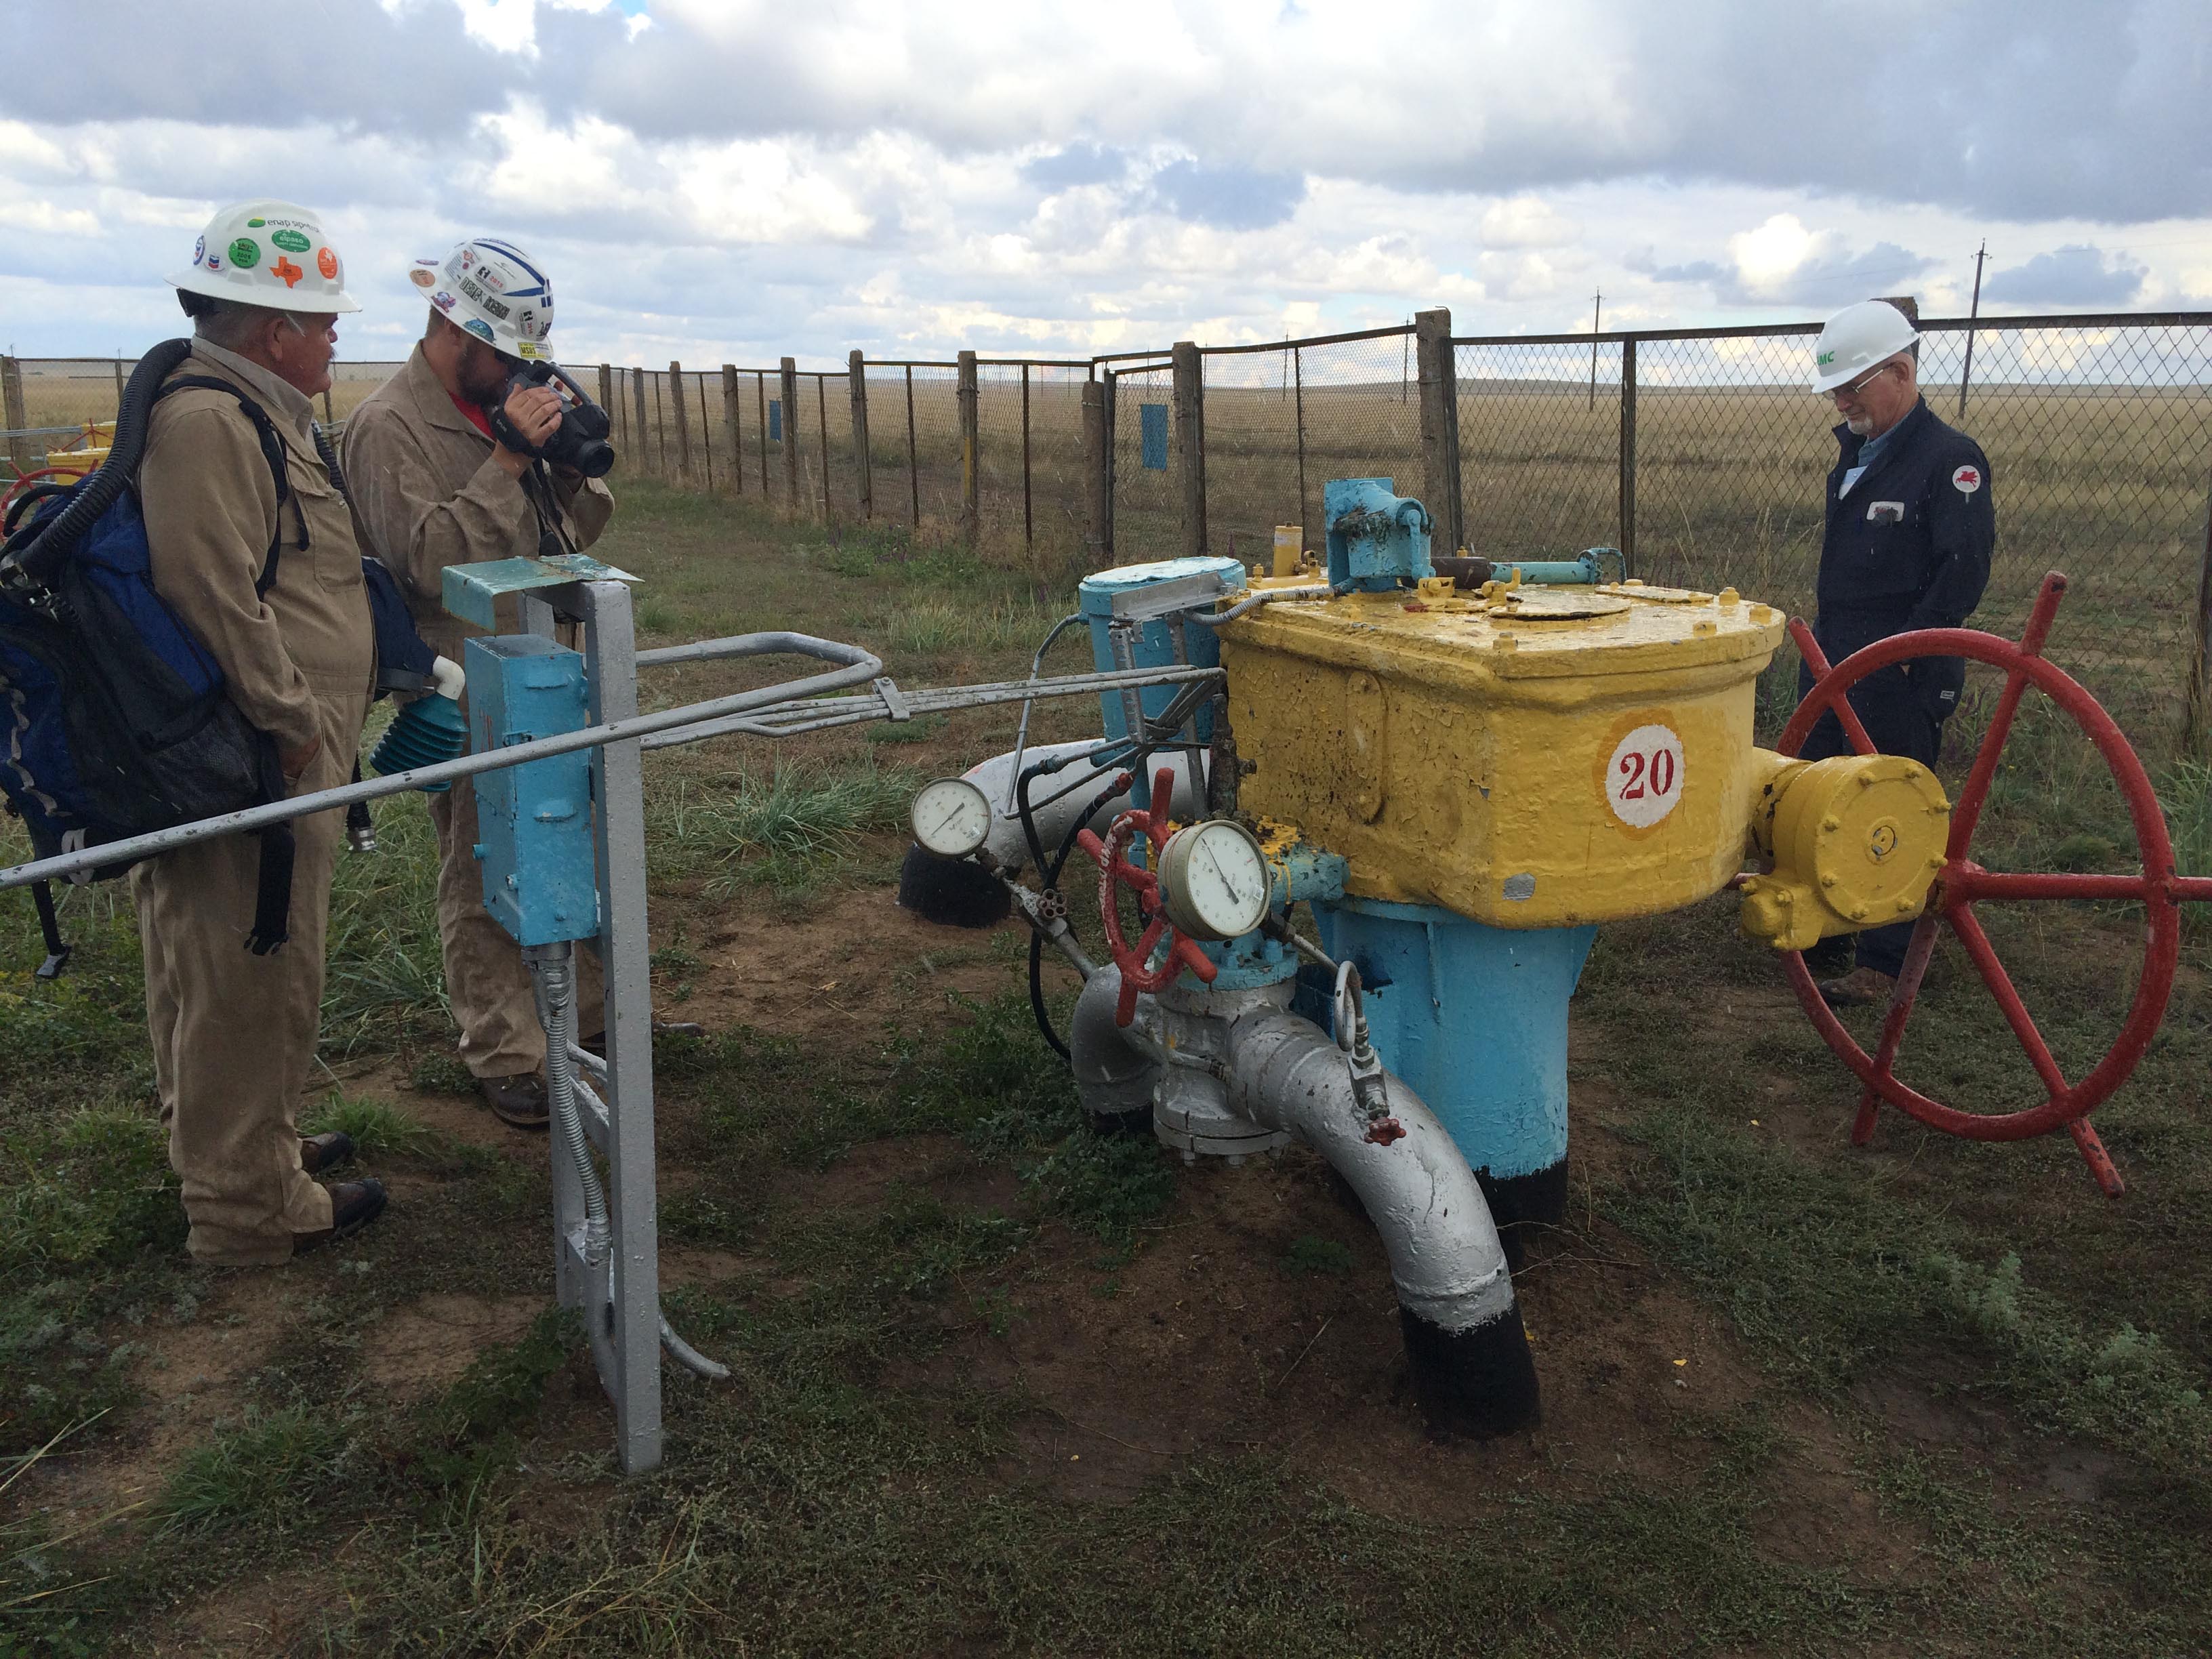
(476, 415)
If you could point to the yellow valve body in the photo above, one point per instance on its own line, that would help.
(1856, 841)
(1537, 757)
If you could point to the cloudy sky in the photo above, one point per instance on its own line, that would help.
(723, 180)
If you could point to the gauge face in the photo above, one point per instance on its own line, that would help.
(951, 817)
(1215, 880)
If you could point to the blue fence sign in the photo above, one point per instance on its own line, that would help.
(775, 420)
(1154, 419)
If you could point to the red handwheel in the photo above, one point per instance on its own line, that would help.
(1962, 884)
(1116, 873)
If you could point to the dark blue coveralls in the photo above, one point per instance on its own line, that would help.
(1907, 547)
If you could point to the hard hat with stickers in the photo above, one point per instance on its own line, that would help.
(1858, 338)
(496, 292)
(268, 253)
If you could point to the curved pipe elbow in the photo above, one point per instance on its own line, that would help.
(1114, 1067)
(1472, 1369)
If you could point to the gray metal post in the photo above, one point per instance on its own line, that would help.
(1628, 456)
(1097, 474)
(629, 1352)
(788, 388)
(11, 398)
(856, 378)
(1440, 491)
(2197, 720)
(682, 422)
(1189, 395)
(733, 426)
(971, 499)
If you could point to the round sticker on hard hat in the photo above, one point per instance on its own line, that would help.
(1967, 480)
(1643, 778)
(425, 274)
(327, 262)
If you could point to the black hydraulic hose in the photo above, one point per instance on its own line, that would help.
(1051, 879)
(61, 532)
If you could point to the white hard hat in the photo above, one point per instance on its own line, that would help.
(268, 253)
(494, 290)
(1856, 339)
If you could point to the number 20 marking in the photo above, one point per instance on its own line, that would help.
(1644, 776)
(1661, 764)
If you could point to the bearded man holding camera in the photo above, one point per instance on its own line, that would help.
(470, 454)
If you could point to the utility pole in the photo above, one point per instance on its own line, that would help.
(1597, 317)
(1966, 370)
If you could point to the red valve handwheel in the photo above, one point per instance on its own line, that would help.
(1115, 871)
(1962, 883)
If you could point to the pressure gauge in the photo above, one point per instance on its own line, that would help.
(1214, 880)
(952, 817)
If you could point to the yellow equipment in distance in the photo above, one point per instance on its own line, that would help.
(1550, 757)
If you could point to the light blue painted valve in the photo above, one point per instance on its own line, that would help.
(1376, 537)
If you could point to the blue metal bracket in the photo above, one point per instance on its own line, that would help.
(471, 591)
(1376, 539)
(540, 872)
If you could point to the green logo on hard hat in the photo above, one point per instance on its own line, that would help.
(1825, 359)
(255, 224)
(245, 253)
(291, 241)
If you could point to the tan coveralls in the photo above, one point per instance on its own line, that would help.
(234, 1033)
(431, 495)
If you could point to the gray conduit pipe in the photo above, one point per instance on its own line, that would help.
(1472, 1369)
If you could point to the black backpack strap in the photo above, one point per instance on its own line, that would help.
(272, 451)
(273, 887)
(58, 952)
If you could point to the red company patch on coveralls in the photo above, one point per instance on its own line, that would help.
(1967, 480)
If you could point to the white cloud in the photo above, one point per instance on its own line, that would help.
(1528, 222)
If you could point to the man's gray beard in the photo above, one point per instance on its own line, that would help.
(1858, 425)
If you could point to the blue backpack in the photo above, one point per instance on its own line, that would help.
(114, 720)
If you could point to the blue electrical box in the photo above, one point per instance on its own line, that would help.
(1152, 428)
(1376, 537)
(1144, 599)
(775, 420)
(534, 821)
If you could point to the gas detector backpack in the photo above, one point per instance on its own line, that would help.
(114, 720)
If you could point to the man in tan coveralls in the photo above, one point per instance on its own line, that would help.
(233, 1032)
(436, 488)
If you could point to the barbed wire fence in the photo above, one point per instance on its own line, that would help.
(1697, 453)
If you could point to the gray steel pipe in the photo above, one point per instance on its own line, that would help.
(995, 777)
(1472, 1369)
(1115, 1069)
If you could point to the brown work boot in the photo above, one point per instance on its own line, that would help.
(354, 1205)
(517, 1101)
(1857, 988)
(326, 1151)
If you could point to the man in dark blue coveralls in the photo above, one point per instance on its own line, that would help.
(1910, 526)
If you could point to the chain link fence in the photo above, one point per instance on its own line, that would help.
(1698, 452)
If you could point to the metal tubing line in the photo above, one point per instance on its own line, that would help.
(1253, 601)
(1022, 732)
(1972, 885)
(800, 716)
(752, 645)
(590, 736)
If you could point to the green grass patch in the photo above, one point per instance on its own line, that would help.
(376, 1127)
(269, 1471)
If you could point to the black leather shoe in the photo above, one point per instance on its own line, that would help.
(517, 1101)
(326, 1151)
(354, 1205)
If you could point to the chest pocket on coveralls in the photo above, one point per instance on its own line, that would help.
(1891, 540)
(321, 532)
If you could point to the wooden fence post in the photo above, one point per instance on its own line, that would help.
(733, 425)
(644, 450)
(972, 498)
(856, 376)
(1628, 456)
(607, 388)
(1440, 486)
(683, 423)
(1189, 399)
(1097, 476)
(788, 388)
(760, 388)
(1029, 516)
(913, 464)
(11, 394)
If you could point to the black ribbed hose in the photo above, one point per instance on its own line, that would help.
(60, 533)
